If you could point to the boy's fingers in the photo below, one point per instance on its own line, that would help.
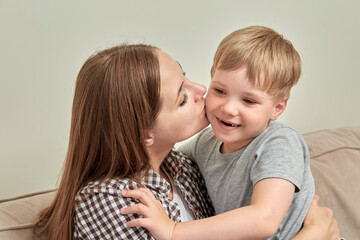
(143, 194)
(138, 192)
(137, 208)
(138, 222)
(148, 193)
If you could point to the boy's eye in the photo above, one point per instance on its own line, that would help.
(185, 100)
(249, 101)
(219, 91)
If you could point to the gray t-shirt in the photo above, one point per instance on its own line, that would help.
(279, 152)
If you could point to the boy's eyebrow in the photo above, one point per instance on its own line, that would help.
(254, 95)
(217, 82)
(248, 93)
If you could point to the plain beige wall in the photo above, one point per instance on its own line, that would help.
(43, 45)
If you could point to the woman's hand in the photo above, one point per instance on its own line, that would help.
(319, 223)
(155, 218)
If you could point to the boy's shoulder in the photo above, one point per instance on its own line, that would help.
(280, 128)
(277, 131)
(207, 132)
(204, 135)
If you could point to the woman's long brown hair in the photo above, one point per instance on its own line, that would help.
(117, 97)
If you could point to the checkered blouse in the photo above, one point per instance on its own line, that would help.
(97, 210)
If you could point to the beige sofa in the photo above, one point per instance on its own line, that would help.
(335, 163)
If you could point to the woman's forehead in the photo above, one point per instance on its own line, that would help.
(171, 76)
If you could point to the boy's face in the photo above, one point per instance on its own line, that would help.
(237, 110)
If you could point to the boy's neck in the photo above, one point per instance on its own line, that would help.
(230, 148)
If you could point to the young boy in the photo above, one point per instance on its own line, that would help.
(257, 171)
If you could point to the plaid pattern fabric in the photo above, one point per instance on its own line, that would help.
(97, 210)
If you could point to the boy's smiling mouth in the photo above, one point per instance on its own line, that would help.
(228, 124)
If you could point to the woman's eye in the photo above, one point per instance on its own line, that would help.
(249, 101)
(185, 100)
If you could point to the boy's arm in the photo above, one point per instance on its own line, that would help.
(270, 201)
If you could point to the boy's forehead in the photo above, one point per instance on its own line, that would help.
(221, 76)
(239, 71)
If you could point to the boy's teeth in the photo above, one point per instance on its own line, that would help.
(228, 124)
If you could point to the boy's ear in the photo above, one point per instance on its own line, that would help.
(279, 108)
(149, 139)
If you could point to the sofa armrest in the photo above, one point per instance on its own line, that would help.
(18, 214)
(335, 164)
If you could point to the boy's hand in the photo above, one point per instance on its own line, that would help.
(155, 218)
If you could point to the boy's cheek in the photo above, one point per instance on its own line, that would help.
(211, 100)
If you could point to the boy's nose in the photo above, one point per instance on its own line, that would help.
(229, 108)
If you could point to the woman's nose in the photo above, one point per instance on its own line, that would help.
(200, 91)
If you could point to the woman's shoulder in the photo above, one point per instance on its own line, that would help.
(97, 211)
(106, 188)
(177, 160)
(108, 185)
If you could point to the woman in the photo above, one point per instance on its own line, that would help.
(132, 103)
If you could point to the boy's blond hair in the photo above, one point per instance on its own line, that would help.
(272, 62)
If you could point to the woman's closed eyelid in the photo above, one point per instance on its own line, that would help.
(184, 100)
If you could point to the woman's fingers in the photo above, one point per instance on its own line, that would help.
(316, 198)
(323, 220)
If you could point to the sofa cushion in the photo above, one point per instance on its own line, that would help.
(18, 214)
(335, 164)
